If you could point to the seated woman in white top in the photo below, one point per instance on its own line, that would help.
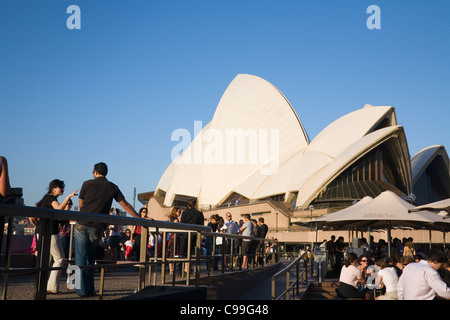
(349, 278)
(387, 276)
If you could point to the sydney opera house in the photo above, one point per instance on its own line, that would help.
(256, 157)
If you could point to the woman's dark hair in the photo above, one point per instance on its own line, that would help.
(363, 256)
(382, 263)
(142, 209)
(56, 183)
(350, 258)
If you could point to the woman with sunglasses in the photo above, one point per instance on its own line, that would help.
(349, 279)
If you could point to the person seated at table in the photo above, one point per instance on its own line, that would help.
(387, 277)
(349, 279)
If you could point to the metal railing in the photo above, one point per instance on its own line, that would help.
(156, 261)
(300, 278)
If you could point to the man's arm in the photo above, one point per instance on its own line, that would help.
(400, 294)
(437, 284)
(128, 208)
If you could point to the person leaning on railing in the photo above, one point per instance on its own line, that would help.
(96, 196)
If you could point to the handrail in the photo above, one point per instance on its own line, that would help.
(296, 282)
(46, 215)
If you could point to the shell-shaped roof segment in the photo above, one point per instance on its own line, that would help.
(423, 158)
(253, 125)
(253, 112)
(329, 144)
(346, 130)
(183, 176)
(311, 188)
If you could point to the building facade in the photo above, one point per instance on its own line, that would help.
(256, 157)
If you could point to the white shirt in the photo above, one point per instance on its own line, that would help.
(419, 281)
(219, 240)
(389, 278)
(350, 275)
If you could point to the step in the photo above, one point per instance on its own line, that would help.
(321, 291)
(319, 296)
(324, 289)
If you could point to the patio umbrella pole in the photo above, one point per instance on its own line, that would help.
(429, 232)
(389, 238)
(444, 239)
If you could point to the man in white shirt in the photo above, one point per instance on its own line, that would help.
(421, 281)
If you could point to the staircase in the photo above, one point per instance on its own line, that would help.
(325, 290)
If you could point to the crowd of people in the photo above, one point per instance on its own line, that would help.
(98, 241)
(221, 246)
(404, 274)
(96, 196)
(118, 244)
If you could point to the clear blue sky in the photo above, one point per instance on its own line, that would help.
(116, 89)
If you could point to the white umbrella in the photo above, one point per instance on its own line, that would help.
(387, 208)
(385, 211)
(441, 205)
(341, 214)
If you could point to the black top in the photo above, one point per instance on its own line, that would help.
(213, 226)
(263, 230)
(193, 216)
(46, 202)
(97, 195)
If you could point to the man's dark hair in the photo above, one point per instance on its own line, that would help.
(437, 256)
(191, 203)
(101, 168)
(261, 219)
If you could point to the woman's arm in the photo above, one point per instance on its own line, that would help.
(62, 205)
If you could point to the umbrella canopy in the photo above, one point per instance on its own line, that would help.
(385, 211)
(341, 214)
(442, 205)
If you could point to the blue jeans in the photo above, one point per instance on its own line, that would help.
(86, 241)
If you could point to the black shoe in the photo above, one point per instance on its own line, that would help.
(88, 295)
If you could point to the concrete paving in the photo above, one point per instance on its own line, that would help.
(254, 284)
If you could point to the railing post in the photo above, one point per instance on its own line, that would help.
(155, 259)
(297, 277)
(143, 257)
(43, 258)
(232, 253)
(189, 256)
(8, 254)
(305, 270)
(163, 258)
(198, 251)
(287, 284)
(222, 254)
